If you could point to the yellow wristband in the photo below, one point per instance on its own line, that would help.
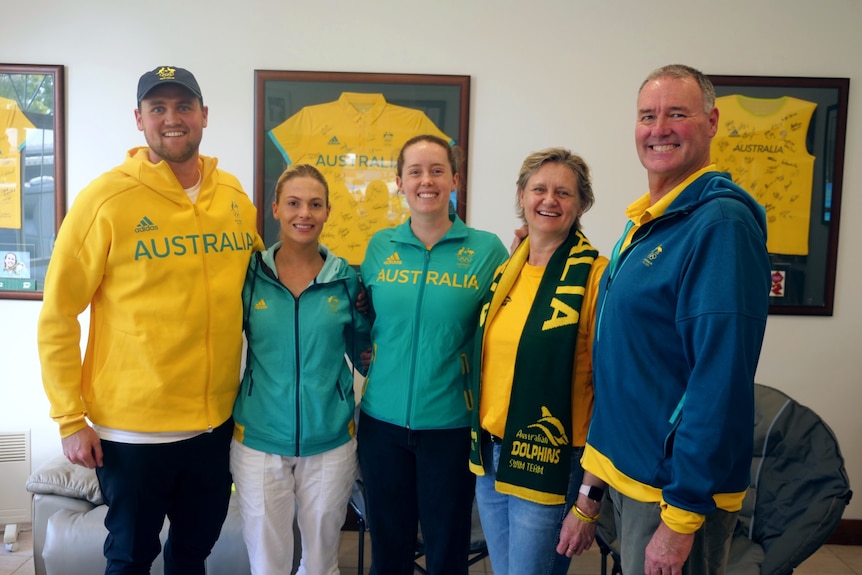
(583, 516)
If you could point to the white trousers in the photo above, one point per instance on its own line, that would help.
(273, 489)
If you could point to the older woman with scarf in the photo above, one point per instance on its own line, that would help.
(534, 388)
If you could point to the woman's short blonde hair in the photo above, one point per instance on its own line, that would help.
(562, 156)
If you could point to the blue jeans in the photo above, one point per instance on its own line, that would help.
(416, 477)
(522, 536)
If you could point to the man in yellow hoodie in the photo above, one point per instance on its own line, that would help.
(157, 248)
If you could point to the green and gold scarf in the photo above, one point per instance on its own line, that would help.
(535, 459)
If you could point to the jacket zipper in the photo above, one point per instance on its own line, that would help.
(298, 369)
(412, 379)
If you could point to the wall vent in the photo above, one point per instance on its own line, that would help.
(14, 471)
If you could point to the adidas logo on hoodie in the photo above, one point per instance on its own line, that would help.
(145, 225)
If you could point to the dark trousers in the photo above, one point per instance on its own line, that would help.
(411, 478)
(187, 481)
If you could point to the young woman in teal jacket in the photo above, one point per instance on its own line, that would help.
(426, 279)
(294, 446)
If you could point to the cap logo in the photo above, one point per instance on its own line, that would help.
(166, 73)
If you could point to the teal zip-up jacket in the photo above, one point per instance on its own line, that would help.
(296, 397)
(426, 304)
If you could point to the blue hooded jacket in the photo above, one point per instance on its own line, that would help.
(680, 322)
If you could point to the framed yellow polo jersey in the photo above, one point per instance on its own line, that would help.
(352, 127)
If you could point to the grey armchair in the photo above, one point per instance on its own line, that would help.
(799, 489)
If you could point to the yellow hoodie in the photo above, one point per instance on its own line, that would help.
(162, 278)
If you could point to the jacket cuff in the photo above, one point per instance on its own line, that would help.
(71, 424)
(680, 520)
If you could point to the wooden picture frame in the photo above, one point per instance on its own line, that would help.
(32, 174)
(335, 121)
(782, 139)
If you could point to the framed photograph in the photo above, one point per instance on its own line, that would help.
(351, 126)
(32, 175)
(782, 139)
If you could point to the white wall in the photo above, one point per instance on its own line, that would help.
(545, 72)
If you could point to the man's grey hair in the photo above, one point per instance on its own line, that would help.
(681, 72)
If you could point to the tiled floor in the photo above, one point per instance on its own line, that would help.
(829, 560)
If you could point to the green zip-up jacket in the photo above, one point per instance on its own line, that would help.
(426, 304)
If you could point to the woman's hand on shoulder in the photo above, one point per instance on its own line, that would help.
(520, 234)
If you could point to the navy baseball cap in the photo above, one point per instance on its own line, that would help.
(167, 75)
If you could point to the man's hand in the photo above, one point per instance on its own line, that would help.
(83, 448)
(667, 551)
(362, 302)
(365, 358)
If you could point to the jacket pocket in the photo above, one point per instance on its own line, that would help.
(250, 382)
(674, 420)
(339, 390)
(466, 381)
